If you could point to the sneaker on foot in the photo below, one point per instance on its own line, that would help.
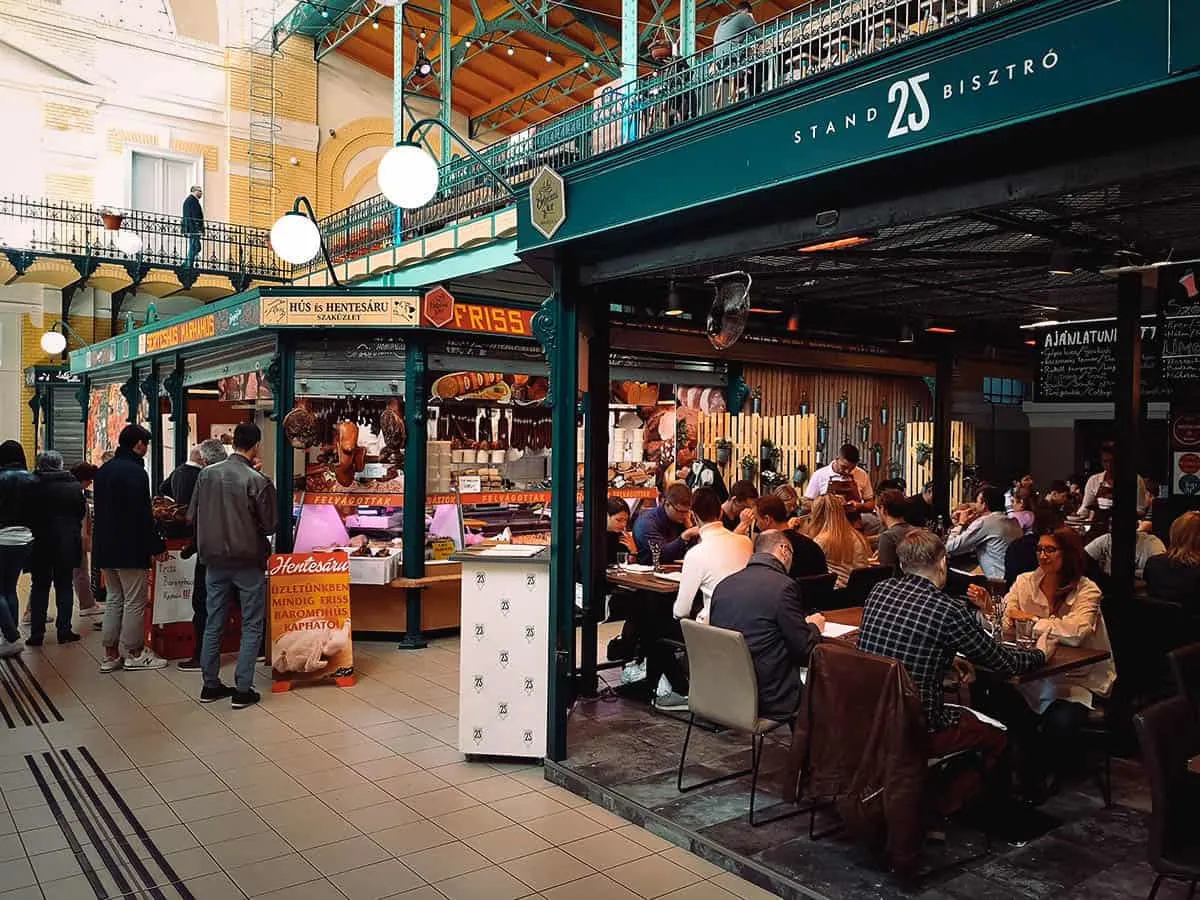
(111, 665)
(188, 665)
(34, 640)
(242, 700)
(671, 702)
(92, 611)
(220, 692)
(68, 637)
(10, 648)
(146, 660)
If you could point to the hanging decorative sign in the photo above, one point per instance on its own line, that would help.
(547, 202)
(341, 311)
(438, 307)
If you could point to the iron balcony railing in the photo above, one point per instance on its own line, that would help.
(62, 229)
(803, 43)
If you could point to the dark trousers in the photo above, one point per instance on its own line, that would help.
(12, 561)
(966, 734)
(656, 623)
(1042, 744)
(199, 608)
(43, 575)
(193, 249)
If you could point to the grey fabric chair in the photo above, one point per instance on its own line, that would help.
(724, 691)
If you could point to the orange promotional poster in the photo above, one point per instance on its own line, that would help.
(310, 619)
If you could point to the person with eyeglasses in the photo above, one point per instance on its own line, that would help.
(670, 525)
(1046, 715)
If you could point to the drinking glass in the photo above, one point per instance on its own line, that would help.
(656, 556)
(1024, 633)
(622, 558)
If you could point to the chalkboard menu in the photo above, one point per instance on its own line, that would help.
(1181, 348)
(1077, 363)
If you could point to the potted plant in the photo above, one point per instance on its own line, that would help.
(800, 475)
(766, 452)
(864, 430)
(883, 414)
(112, 220)
(804, 404)
(876, 455)
(749, 465)
(923, 451)
(724, 451)
(955, 468)
(843, 406)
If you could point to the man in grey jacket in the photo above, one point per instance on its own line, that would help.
(233, 512)
(988, 536)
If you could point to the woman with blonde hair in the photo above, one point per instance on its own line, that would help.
(845, 549)
(1175, 575)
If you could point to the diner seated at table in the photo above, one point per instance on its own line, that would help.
(987, 536)
(1046, 715)
(843, 477)
(669, 525)
(1021, 554)
(1023, 485)
(616, 534)
(1059, 496)
(790, 498)
(807, 558)
(912, 620)
(893, 508)
(719, 554)
(763, 603)
(845, 549)
(737, 513)
(1147, 545)
(1175, 575)
(920, 507)
(1021, 511)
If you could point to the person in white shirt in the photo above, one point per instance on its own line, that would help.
(1098, 492)
(843, 477)
(1148, 545)
(719, 554)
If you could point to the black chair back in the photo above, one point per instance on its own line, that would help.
(860, 583)
(1185, 667)
(816, 592)
(1167, 733)
(957, 581)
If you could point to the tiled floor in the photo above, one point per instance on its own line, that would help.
(323, 792)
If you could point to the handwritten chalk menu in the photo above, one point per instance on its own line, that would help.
(1078, 363)
(1181, 348)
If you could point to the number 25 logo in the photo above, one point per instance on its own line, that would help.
(900, 93)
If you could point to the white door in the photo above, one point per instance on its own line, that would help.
(160, 183)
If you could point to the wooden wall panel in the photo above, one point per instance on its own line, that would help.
(785, 391)
(962, 449)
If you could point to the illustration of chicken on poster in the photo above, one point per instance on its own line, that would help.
(310, 619)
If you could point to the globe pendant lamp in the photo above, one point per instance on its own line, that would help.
(408, 175)
(54, 342)
(295, 238)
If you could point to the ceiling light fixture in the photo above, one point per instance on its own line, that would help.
(674, 302)
(55, 341)
(422, 34)
(549, 58)
(793, 322)
(423, 68)
(906, 334)
(586, 64)
(509, 51)
(324, 13)
(375, 24)
(940, 329)
(1041, 323)
(1031, 343)
(838, 244)
(467, 43)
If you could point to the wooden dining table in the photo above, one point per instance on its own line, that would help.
(1065, 659)
(643, 581)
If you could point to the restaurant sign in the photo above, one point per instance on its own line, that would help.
(353, 311)
(189, 332)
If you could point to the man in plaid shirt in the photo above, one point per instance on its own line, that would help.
(911, 620)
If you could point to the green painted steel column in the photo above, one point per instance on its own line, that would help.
(177, 396)
(593, 322)
(446, 74)
(687, 27)
(414, 485)
(398, 128)
(150, 391)
(555, 326)
(284, 386)
(629, 41)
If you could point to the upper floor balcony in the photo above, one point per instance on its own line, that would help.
(810, 41)
(60, 244)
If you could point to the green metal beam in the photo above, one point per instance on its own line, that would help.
(629, 41)
(461, 264)
(522, 18)
(535, 98)
(687, 27)
(446, 77)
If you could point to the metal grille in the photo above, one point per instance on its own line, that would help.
(66, 425)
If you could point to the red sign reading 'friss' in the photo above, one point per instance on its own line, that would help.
(442, 310)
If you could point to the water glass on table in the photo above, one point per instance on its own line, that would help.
(1024, 633)
(656, 556)
(622, 558)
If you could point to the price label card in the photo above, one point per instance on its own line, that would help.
(442, 548)
(469, 484)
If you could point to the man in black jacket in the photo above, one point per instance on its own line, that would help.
(58, 512)
(763, 603)
(125, 544)
(193, 223)
(179, 486)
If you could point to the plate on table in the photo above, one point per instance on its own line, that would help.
(670, 576)
(636, 568)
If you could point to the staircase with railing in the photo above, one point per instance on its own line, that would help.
(802, 44)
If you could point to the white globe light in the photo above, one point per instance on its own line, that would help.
(408, 176)
(295, 238)
(129, 243)
(54, 342)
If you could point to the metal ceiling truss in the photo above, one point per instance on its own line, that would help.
(515, 110)
(348, 25)
(528, 19)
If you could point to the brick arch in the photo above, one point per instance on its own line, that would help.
(337, 153)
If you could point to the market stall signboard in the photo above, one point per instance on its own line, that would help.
(440, 309)
(357, 311)
(1077, 363)
(361, 498)
(309, 595)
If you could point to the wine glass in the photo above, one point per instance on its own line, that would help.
(656, 556)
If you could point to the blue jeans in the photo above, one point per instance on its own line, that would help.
(251, 586)
(12, 561)
(193, 250)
